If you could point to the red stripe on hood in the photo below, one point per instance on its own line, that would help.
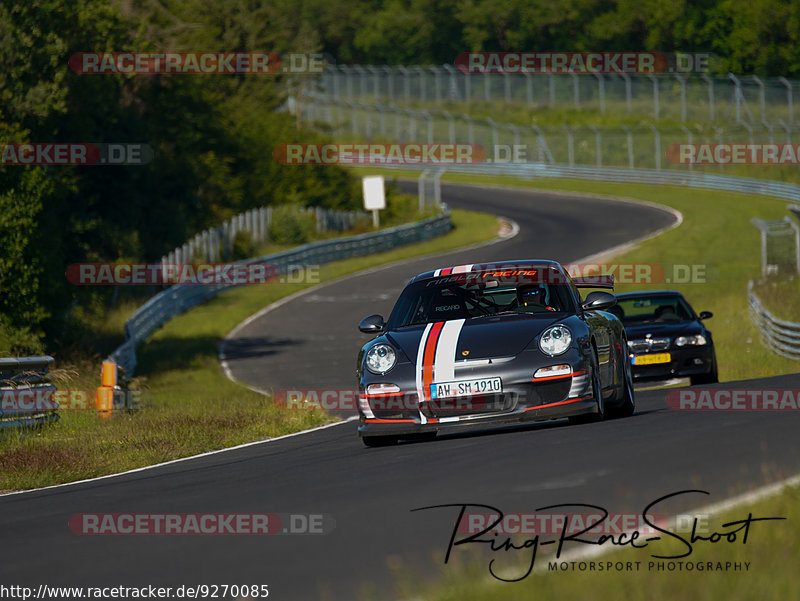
(428, 357)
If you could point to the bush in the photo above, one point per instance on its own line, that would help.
(290, 226)
(243, 246)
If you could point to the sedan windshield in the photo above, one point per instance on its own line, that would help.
(668, 308)
(443, 299)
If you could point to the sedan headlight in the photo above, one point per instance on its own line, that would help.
(555, 340)
(380, 358)
(697, 340)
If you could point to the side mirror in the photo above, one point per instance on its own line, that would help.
(373, 324)
(706, 314)
(598, 301)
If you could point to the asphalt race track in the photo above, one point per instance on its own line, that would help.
(621, 465)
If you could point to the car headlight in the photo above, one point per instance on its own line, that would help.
(555, 340)
(380, 358)
(698, 340)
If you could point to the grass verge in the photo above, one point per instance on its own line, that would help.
(189, 406)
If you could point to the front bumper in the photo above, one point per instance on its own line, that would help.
(523, 399)
(684, 362)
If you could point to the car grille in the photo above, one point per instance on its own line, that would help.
(648, 345)
(544, 393)
(472, 405)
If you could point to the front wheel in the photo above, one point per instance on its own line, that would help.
(628, 405)
(597, 393)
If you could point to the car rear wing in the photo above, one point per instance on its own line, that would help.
(595, 281)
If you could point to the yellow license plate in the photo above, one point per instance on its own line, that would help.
(651, 359)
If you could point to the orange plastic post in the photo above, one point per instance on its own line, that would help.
(104, 401)
(108, 374)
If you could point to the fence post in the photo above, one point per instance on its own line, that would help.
(528, 88)
(598, 146)
(427, 116)
(627, 79)
(437, 84)
(601, 91)
(576, 90)
(570, 146)
(682, 82)
(710, 83)
(688, 133)
(406, 82)
(657, 146)
(629, 139)
(737, 96)
(389, 82)
(421, 189)
(451, 127)
(656, 110)
(762, 99)
(495, 137)
(470, 128)
(788, 129)
(789, 100)
(454, 94)
(375, 72)
(421, 72)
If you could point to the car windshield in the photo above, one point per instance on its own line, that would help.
(475, 296)
(667, 308)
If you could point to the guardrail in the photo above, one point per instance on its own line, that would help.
(175, 300)
(23, 382)
(216, 243)
(707, 181)
(780, 336)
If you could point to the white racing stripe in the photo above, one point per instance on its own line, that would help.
(420, 355)
(444, 362)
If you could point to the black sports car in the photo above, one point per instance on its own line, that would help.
(499, 343)
(666, 338)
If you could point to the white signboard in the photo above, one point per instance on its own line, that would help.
(374, 194)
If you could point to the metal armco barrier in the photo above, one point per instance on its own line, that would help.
(782, 337)
(175, 300)
(25, 376)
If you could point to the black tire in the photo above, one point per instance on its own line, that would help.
(424, 437)
(711, 378)
(379, 441)
(600, 414)
(628, 405)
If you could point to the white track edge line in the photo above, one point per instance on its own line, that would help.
(179, 460)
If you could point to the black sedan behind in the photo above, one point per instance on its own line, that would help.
(666, 338)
